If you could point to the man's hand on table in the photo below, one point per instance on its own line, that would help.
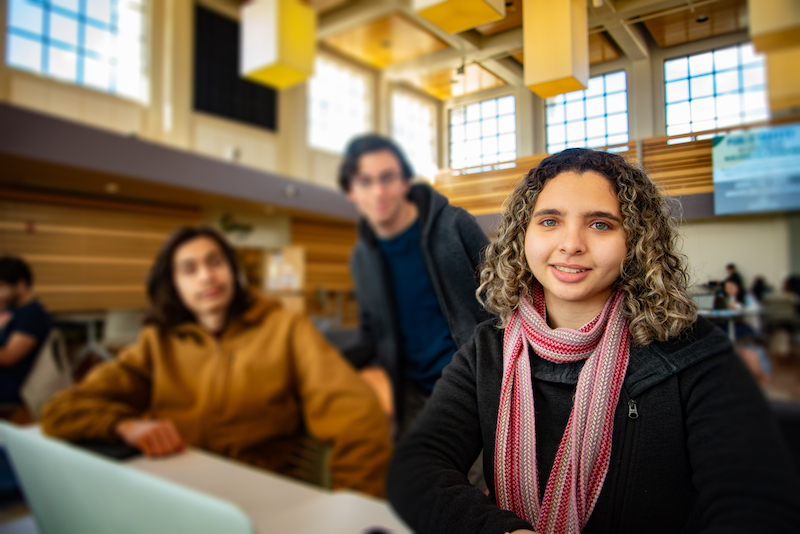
(154, 437)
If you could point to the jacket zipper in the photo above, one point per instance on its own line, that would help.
(627, 451)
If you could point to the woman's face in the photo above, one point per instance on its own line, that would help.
(202, 276)
(575, 243)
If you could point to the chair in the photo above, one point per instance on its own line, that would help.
(51, 373)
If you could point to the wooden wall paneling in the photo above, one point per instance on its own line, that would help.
(86, 259)
(674, 28)
(328, 247)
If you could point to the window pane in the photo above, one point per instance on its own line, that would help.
(457, 116)
(99, 10)
(595, 107)
(617, 102)
(457, 134)
(473, 130)
(729, 105)
(595, 87)
(753, 76)
(726, 58)
(678, 91)
(489, 127)
(62, 64)
(615, 82)
(24, 53)
(749, 56)
(555, 113)
(727, 81)
(507, 143)
(98, 41)
(701, 64)
(618, 123)
(505, 105)
(96, 73)
(596, 127)
(575, 110)
(473, 112)
(576, 131)
(64, 29)
(676, 69)
(71, 5)
(703, 109)
(507, 124)
(573, 96)
(489, 109)
(556, 133)
(678, 113)
(702, 86)
(26, 16)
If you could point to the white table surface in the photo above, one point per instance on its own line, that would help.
(274, 503)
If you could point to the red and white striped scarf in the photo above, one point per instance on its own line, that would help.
(583, 456)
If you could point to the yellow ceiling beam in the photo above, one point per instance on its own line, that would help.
(556, 46)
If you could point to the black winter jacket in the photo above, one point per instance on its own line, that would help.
(452, 244)
(695, 448)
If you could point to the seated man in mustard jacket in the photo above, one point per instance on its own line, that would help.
(227, 371)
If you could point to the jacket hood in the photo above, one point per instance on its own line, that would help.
(255, 314)
(429, 202)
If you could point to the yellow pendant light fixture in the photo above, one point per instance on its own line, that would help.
(278, 42)
(454, 16)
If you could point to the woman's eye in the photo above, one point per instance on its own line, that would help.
(600, 226)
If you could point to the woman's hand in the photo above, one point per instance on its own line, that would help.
(154, 437)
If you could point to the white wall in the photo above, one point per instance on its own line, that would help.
(758, 245)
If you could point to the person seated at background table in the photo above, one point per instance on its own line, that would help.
(603, 404)
(24, 327)
(227, 371)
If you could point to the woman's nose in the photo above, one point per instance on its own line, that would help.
(573, 241)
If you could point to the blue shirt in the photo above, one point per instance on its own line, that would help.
(31, 319)
(426, 343)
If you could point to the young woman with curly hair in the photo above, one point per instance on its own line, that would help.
(601, 402)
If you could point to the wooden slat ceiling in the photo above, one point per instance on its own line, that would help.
(724, 16)
(446, 83)
(601, 49)
(386, 41)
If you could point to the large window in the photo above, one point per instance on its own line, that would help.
(95, 43)
(414, 128)
(597, 116)
(715, 89)
(483, 133)
(339, 104)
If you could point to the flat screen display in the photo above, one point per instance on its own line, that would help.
(757, 171)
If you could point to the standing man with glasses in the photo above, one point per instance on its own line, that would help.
(415, 273)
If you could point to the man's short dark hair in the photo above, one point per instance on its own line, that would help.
(14, 270)
(363, 145)
(167, 310)
(731, 266)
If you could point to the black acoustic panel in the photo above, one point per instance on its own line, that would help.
(218, 87)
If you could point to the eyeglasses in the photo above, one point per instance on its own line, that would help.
(364, 183)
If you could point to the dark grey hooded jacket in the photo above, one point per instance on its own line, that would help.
(452, 249)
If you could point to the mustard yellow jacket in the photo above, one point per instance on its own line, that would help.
(247, 395)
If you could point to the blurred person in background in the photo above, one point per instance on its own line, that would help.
(414, 268)
(228, 371)
(735, 278)
(24, 327)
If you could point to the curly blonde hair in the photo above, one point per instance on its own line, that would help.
(653, 277)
